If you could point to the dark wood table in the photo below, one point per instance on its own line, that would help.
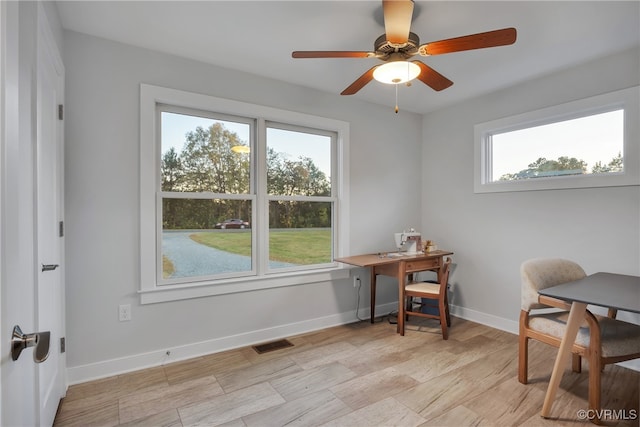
(618, 291)
(388, 264)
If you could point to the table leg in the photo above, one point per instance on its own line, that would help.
(373, 294)
(402, 268)
(576, 315)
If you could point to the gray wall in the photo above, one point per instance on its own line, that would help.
(102, 208)
(493, 233)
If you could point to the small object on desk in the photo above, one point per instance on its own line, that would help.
(409, 242)
(430, 246)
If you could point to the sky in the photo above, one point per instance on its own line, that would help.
(291, 144)
(593, 138)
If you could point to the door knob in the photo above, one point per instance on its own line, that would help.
(39, 340)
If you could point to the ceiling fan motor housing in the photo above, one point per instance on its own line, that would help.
(385, 50)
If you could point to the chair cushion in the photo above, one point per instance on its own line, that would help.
(618, 337)
(423, 288)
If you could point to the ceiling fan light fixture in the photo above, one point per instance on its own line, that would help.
(240, 149)
(396, 72)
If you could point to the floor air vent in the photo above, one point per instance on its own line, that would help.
(272, 346)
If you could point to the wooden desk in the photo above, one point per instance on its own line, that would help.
(610, 290)
(398, 267)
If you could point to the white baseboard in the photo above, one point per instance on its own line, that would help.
(486, 319)
(107, 368)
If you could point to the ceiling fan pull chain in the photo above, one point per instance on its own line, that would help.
(396, 85)
(409, 75)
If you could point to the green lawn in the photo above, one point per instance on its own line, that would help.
(300, 246)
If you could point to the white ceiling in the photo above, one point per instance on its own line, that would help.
(259, 36)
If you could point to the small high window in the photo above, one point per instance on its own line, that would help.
(587, 143)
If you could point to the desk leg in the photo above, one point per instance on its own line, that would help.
(373, 294)
(402, 269)
(576, 314)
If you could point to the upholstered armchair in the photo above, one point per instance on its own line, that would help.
(601, 339)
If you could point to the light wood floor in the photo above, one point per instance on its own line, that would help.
(354, 375)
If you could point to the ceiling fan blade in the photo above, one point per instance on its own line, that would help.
(360, 82)
(503, 37)
(330, 54)
(397, 20)
(432, 78)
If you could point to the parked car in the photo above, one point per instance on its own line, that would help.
(232, 223)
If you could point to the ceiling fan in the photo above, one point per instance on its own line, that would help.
(399, 44)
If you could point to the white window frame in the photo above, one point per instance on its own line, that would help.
(150, 290)
(625, 99)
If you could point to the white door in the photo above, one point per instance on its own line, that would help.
(19, 405)
(28, 390)
(49, 290)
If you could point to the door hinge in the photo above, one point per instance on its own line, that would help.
(61, 229)
(60, 112)
(63, 345)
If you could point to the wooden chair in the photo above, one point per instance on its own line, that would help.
(430, 291)
(601, 339)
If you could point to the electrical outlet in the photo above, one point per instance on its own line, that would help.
(356, 281)
(124, 312)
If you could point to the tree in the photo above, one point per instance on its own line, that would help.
(172, 175)
(171, 171)
(543, 167)
(299, 177)
(208, 164)
(615, 165)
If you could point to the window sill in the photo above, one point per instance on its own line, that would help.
(560, 183)
(204, 289)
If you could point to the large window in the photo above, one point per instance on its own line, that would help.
(236, 196)
(587, 143)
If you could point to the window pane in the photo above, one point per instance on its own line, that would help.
(587, 145)
(299, 233)
(298, 163)
(201, 154)
(202, 237)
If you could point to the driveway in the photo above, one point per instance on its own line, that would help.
(191, 259)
